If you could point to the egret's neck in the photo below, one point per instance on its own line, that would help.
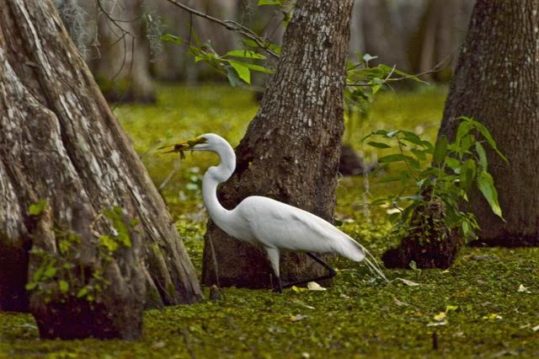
(212, 178)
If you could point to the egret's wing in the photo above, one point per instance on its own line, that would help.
(276, 224)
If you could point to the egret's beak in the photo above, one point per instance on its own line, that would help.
(183, 146)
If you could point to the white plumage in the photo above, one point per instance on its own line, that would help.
(268, 223)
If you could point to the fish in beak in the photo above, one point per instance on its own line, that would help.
(183, 146)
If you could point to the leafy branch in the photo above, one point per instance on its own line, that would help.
(453, 170)
(231, 26)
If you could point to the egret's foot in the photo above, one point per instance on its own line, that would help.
(279, 287)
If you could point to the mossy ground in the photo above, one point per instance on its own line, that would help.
(473, 309)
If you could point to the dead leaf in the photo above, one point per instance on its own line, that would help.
(315, 286)
(492, 316)
(437, 324)
(400, 303)
(297, 317)
(158, 345)
(304, 305)
(408, 282)
(440, 316)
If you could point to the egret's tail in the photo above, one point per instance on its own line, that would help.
(351, 249)
(373, 265)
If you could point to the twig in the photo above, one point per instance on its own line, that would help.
(124, 37)
(388, 78)
(229, 25)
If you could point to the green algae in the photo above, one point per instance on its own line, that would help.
(485, 305)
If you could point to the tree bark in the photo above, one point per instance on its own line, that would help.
(291, 149)
(80, 20)
(497, 83)
(60, 143)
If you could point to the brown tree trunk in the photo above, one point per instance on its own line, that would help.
(440, 35)
(61, 145)
(291, 149)
(171, 63)
(381, 34)
(123, 67)
(497, 83)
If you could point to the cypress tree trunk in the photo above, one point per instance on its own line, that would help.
(123, 68)
(441, 32)
(381, 33)
(65, 164)
(497, 82)
(291, 149)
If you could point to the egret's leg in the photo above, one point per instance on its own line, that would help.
(279, 288)
(273, 256)
(331, 272)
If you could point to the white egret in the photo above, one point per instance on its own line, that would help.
(268, 223)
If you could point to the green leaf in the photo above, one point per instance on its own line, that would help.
(269, 2)
(109, 243)
(482, 155)
(400, 157)
(485, 182)
(173, 39)
(36, 209)
(486, 134)
(466, 229)
(467, 174)
(232, 77)
(31, 285)
(454, 164)
(393, 158)
(64, 246)
(462, 130)
(440, 151)
(376, 133)
(392, 133)
(82, 292)
(466, 143)
(258, 68)
(378, 144)
(63, 286)
(246, 54)
(243, 71)
(419, 154)
(50, 271)
(376, 84)
(116, 217)
(412, 138)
